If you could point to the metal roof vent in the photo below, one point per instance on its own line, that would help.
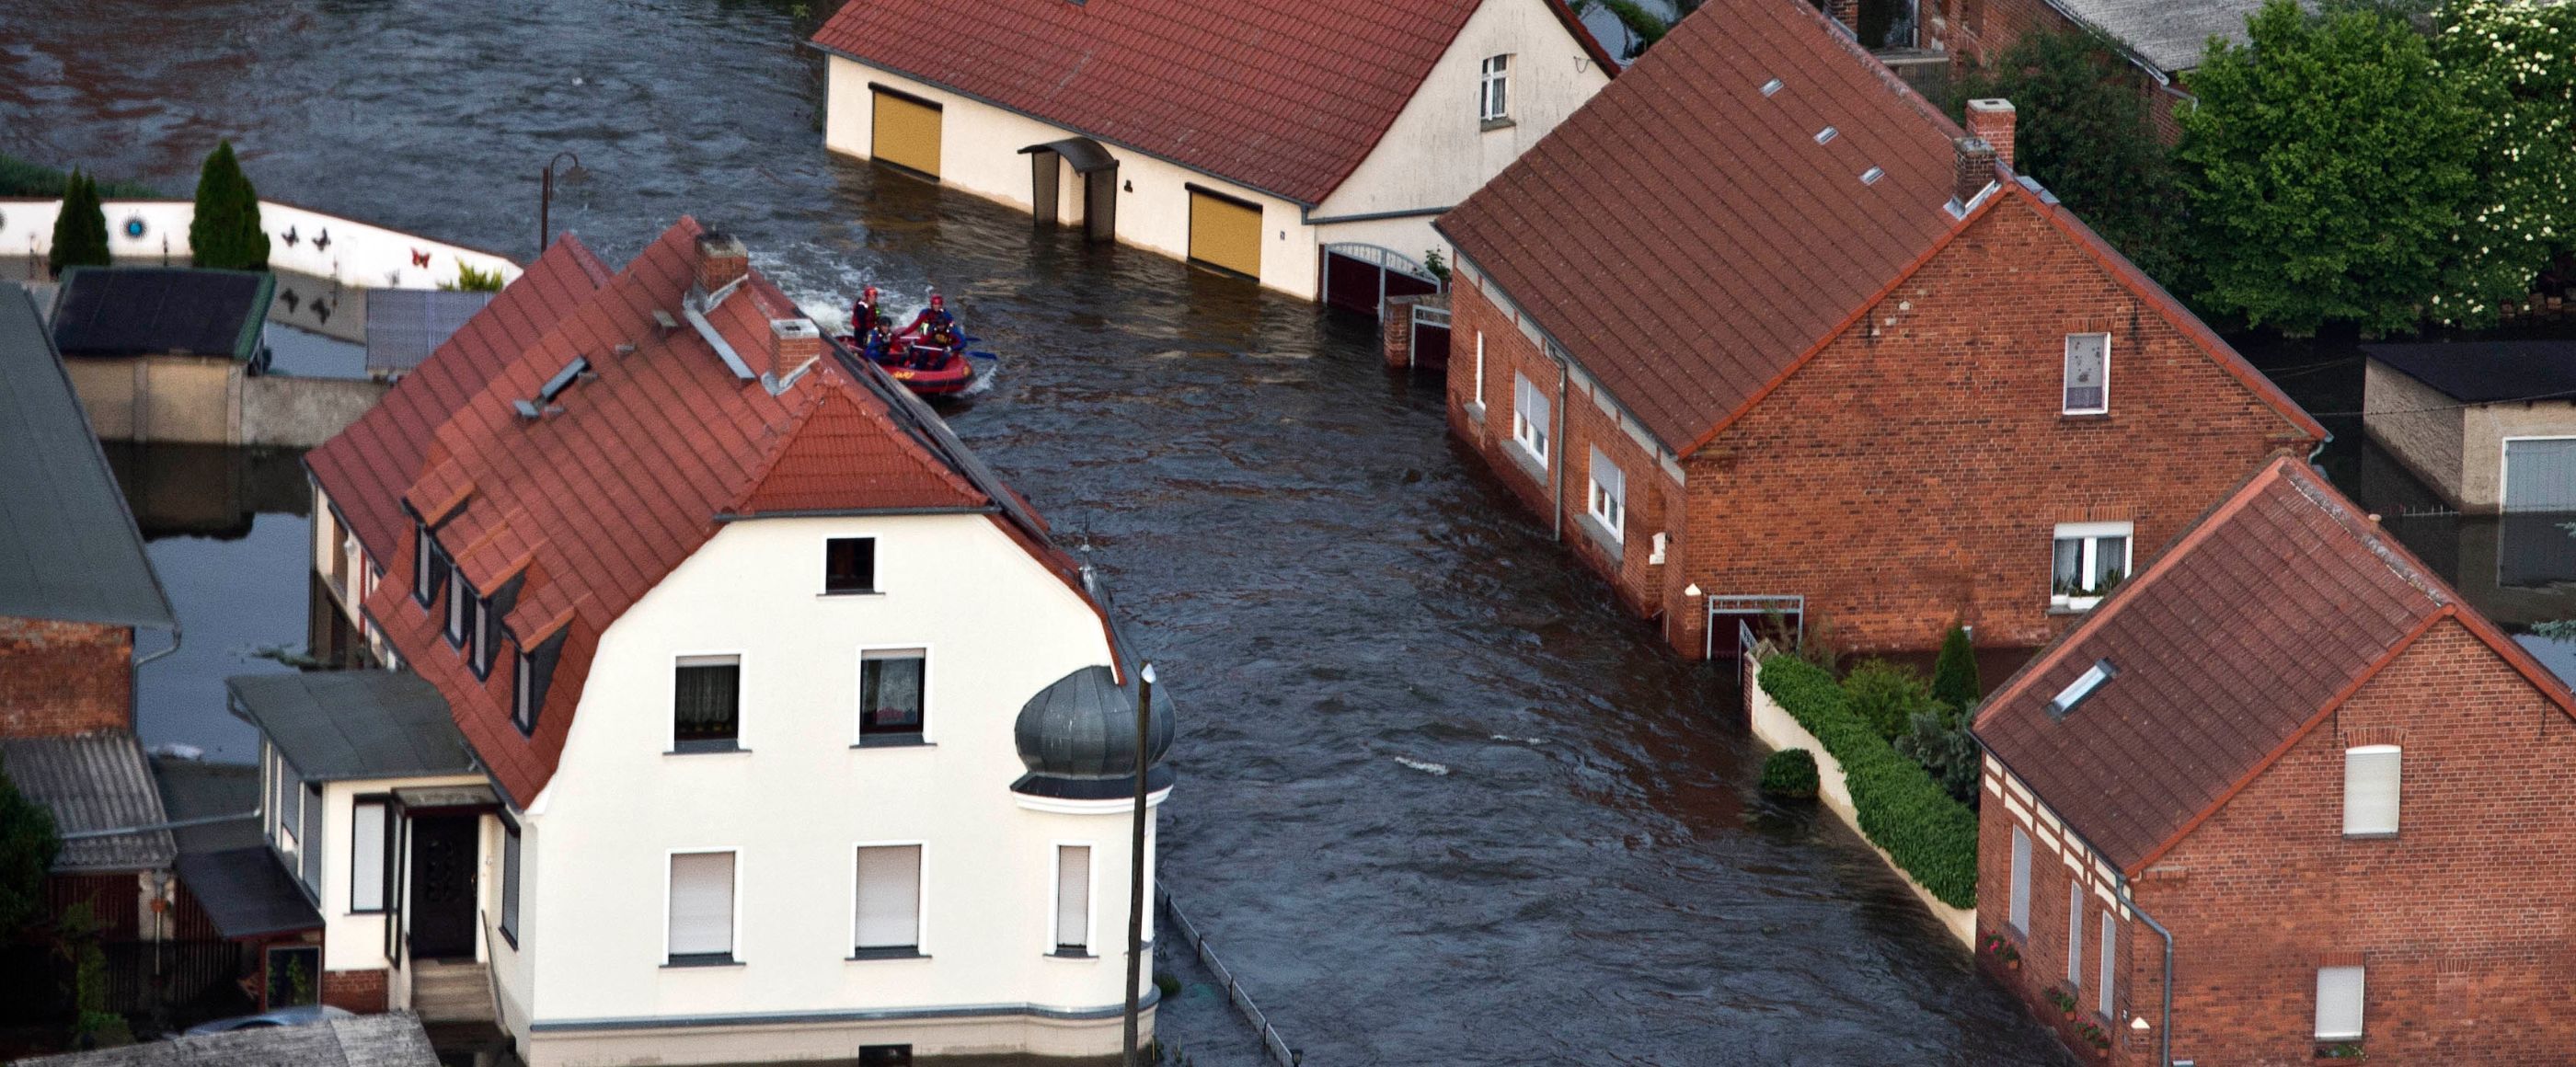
(1827, 135)
(1872, 175)
(576, 371)
(1772, 87)
(530, 412)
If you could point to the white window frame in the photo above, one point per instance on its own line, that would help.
(876, 578)
(2066, 383)
(2017, 910)
(523, 697)
(514, 877)
(671, 697)
(384, 831)
(1607, 504)
(858, 692)
(1055, 902)
(2075, 932)
(920, 897)
(1536, 437)
(2360, 1007)
(1494, 88)
(2110, 956)
(733, 947)
(2356, 804)
(2091, 534)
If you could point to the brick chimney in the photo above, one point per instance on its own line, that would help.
(722, 261)
(1846, 12)
(1991, 120)
(1976, 169)
(793, 343)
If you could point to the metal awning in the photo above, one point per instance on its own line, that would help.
(1085, 154)
(448, 796)
(247, 893)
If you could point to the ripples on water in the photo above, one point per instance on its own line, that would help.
(1335, 594)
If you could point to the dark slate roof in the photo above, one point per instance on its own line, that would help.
(68, 546)
(405, 325)
(2171, 34)
(337, 725)
(1078, 738)
(2485, 372)
(139, 311)
(93, 781)
(394, 1039)
(195, 789)
(247, 893)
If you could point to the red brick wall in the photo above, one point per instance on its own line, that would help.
(64, 677)
(1976, 32)
(1914, 471)
(359, 991)
(2139, 967)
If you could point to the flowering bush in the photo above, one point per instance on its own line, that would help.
(2515, 63)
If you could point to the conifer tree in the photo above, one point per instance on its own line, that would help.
(80, 231)
(225, 233)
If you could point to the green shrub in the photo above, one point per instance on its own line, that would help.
(1940, 744)
(225, 232)
(474, 281)
(1932, 837)
(28, 842)
(80, 231)
(1886, 696)
(1954, 675)
(1790, 774)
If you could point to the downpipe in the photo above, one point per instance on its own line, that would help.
(2164, 1033)
(1556, 464)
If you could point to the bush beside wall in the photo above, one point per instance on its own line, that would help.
(1902, 810)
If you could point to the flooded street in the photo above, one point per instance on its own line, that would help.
(1441, 803)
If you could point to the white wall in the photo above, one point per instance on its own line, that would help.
(360, 254)
(356, 940)
(998, 629)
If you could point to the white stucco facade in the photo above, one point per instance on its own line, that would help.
(1435, 153)
(589, 981)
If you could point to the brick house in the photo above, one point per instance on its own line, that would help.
(2164, 42)
(1813, 350)
(2280, 796)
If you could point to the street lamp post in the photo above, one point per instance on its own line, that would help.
(1136, 866)
(546, 196)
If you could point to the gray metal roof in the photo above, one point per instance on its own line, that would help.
(394, 1039)
(247, 892)
(1078, 738)
(96, 781)
(195, 789)
(2172, 34)
(141, 311)
(338, 725)
(68, 546)
(405, 325)
(2487, 372)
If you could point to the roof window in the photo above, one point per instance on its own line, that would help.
(1772, 87)
(1827, 135)
(1872, 175)
(572, 372)
(2082, 688)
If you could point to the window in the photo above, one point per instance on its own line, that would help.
(1480, 369)
(890, 689)
(368, 856)
(1073, 900)
(2082, 687)
(510, 883)
(484, 627)
(2339, 1003)
(2075, 931)
(429, 569)
(523, 695)
(2370, 780)
(458, 594)
(706, 704)
(310, 870)
(2019, 916)
(889, 906)
(2110, 943)
(2088, 373)
(1493, 96)
(2090, 558)
(1529, 418)
(850, 565)
(281, 801)
(1607, 500)
(701, 908)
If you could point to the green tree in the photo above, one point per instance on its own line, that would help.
(1644, 24)
(225, 232)
(2327, 169)
(28, 843)
(2082, 130)
(80, 231)
(1954, 674)
(2516, 63)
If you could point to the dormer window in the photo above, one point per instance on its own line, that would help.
(523, 702)
(429, 569)
(1493, 94)
(458, 595)
(850, 565)
(484, 636)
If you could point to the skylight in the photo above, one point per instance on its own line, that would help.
(1826, 135)
(2077, 691)
(1872, 175)
(563, 379)
(1772, 86)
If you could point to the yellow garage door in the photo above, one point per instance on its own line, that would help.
(1225, 232)
(907, 132)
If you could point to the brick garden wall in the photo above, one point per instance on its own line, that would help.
(359, 991)
(60, 678)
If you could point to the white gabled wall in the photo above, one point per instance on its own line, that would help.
(354, 940)
(794, 805)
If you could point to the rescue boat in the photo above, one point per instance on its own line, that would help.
(930, 356)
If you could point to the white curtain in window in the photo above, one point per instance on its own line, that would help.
(2338, 1003)
(367, 858)
(889, 896)
(702, 904)
(2020, 914)
(1073, 897)
(2370, 779)
(2088, 365)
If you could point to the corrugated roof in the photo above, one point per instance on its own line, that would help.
(392, 1039)
(93, 781)
(132, 311)
(2274, 608)
(405, 325)
(2486, 372)
(68, 546)
(2172, 34)
(338, 725)
(1282, 96)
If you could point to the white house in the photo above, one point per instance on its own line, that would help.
(784, 730)
(1307, 145)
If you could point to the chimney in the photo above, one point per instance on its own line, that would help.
(1991, 120)
(1845, 12)
(793, 343)
(1976, 170)
(722, 261)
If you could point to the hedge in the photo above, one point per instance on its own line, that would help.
(19, 177)
(1902, 810)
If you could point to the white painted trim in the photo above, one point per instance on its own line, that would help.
(1055, 901)
(2062, 384)
(858, 687)
(671, 695)
(1114, 806)
(823, 560)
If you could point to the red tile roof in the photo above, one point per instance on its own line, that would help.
(590, 508)
(1688, 241)
(1284, 96)
(2262, 619)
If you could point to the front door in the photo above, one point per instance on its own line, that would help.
(442, 886)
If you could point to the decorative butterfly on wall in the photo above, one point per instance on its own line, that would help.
(322, 241)
(290, 238)
(419, 258)
(291, 299)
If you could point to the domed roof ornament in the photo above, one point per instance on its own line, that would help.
(1078, 739)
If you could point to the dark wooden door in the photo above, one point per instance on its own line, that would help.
(442, 886)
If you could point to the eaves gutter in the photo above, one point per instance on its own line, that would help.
(855, 513)
(1486, 281)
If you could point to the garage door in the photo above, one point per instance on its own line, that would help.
(2540, 475)
(906, 132)
(1225, 233)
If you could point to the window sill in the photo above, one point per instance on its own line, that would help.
(893, 741)
(2084, 416)
(1061, 954)
(831, 594)
(705, 748)
(906, 953)
(1602, 536)
(692, 962)
(2062, 609)
(1530, 463)
(1474, 411)
(1490, 125)
(2388, 836)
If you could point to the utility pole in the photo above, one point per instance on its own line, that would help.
(1136, 865)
